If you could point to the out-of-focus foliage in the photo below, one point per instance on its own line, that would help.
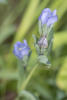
(19, 20)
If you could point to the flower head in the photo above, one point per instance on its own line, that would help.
(47, 17)
(21, 49)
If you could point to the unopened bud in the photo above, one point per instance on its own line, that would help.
(43, 43)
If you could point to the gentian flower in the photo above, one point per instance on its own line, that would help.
(47, 17)
(21, 49)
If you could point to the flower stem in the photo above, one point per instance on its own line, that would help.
(29, 77)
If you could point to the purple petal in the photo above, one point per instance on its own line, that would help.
(47, 10)
(44, 17)
(25, 42)
(25, 52)
(18, 43)
(52, 20)
(54, 12)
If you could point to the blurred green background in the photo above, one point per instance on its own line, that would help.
(18, 21)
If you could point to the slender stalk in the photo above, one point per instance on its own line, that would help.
(29, 77)
(21, 74)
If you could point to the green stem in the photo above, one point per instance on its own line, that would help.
(21, 75)
(28, 78)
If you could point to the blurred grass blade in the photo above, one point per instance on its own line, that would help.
(15, 13)
(6, 32)
(61, 11)
(61, 79)
(43, 90)
(27, 20)
(7, 29)
(60, 38)
(8, 75)
(55, 4)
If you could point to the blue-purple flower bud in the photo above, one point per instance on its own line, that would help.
(43, 43)
(47, 17)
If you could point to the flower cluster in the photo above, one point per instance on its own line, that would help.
(47, 17)
(43, 43)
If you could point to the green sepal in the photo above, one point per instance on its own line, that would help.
(34, 37)
(49, 29)
(45, 29)
(37, 49)
(40, 27)
(50, 36)
(50, 41)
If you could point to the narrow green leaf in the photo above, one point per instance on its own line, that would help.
(27, 95)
